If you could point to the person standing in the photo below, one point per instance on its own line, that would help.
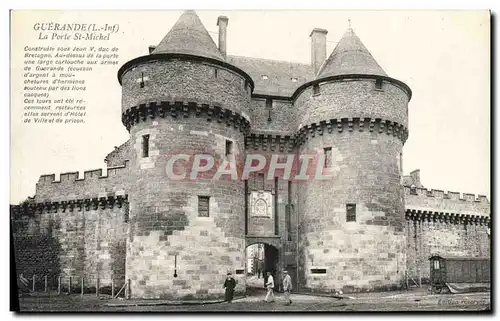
(229, 285)
(270, 288)
(287, 287)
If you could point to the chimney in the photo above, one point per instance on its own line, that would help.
(415, 176)
(151, 49)
(318, 48)
(222, 22)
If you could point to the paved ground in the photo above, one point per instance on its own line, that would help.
(417, 300)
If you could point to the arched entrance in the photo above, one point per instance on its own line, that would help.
(262, 258)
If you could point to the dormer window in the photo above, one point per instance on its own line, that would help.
(378, 84)
(264, 77)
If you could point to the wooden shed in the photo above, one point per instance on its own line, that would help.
(456, 273)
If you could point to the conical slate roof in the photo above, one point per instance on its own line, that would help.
(350, 56)
(189, 36)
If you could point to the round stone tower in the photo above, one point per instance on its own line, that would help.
(183, 98)
(351, 228)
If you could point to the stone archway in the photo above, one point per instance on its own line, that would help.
(266, 259)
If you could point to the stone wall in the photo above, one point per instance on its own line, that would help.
(93, 184)
(449, 202)
(350, 99)
(282, 115)
(188, 81)
(87, 241)
(364, 172)
(426, 237)
(164, 212)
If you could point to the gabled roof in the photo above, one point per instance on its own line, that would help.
(350, 56)
(189, 36)
(283, 77)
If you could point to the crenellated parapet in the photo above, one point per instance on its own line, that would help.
(331, 126)
(75, 176)
(184, 109)
(440, 194)
(446, 217)
(113, 200)
(72, 185)
(270, 141)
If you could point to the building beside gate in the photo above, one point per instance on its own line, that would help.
(366, 227)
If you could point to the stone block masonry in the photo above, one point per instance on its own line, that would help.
(358, 230)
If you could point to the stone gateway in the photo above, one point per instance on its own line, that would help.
(367, 227)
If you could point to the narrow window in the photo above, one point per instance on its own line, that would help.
(328, 156)
(316, 90)
(145, 146)
(378, 84)
(436, 265)
(413, 190)
(204, 206)
(289, 212)
(318, 271)
(229, 147)
(269, 106)
(350, 212)
(216, 72)
(142, 80)
(261, 181)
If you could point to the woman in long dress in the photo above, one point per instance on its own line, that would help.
(229, 285)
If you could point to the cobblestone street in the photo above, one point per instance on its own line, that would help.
(386, 301)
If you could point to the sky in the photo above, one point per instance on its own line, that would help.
(444, 56)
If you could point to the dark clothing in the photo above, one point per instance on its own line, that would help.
(229, 284)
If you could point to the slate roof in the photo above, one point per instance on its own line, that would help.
(189, 36)
(283, 77)
(350, 56)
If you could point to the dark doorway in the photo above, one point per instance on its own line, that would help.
(262, 258)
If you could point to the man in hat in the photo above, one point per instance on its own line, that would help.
(229, 285)
(287, 287)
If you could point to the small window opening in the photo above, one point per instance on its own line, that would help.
(204, 206)
(261, 181)
(378, 84)
(229, 147)
(316, 90)
(240, 271)
(413, 190)
(436, 265)
(350, 212)
(328, 156)
(318, 271)
(145, 146)
(142, 80)
(216, 73)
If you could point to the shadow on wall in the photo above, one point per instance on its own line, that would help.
(36, 254)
